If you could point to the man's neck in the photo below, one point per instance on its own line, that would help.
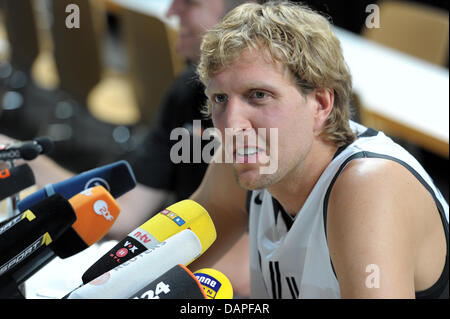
(293, 190)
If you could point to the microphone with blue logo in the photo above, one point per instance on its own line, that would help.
(215, 284)
(170, 221)
(180, 283)
(117, 178)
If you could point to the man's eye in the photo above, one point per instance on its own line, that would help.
(220, 98)
(260, 95)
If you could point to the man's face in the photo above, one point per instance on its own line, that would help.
(253, 95)
(196, 17)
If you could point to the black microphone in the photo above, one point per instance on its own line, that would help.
(177, 283)
(45, 143)
(27, 150)
(39, 226)
(15, 179)
(95, 210)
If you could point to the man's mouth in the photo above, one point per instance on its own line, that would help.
(246, 151)
(247, 154)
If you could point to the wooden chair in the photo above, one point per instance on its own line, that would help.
(416, 29)
(116, 98)
(76, 51)
(78, 54)
(22, 34)
(153, 62)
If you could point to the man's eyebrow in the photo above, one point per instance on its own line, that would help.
(208, 91)
(245, 88)
(259, 85)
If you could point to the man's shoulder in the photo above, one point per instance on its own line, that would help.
(375, 190)
(379, 213)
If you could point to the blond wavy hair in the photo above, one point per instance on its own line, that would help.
(298, 38)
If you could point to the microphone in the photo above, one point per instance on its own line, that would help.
(45, 144)
(15, 179)
(27, 150)
(39, 226)
(215, 284)
(175, 218)
(95, 212)
(118, 178)
(125, 279)
(177, 283)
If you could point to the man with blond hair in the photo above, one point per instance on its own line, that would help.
(348, 213)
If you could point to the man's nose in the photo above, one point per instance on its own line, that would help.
(237, 116)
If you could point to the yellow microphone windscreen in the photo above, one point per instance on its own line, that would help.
(215, 283)
(186, 214)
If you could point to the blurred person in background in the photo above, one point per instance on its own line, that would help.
(160, 181)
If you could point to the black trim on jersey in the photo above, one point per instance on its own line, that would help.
(440, 288)
(259, 260)
(258, 200)
(275, 279)
(292, 284)
(248, 201)
(370, 132)
(277, 208)
(339, 151)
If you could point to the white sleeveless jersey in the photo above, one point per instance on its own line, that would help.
(289, 258)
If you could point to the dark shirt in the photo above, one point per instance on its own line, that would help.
(151, 161)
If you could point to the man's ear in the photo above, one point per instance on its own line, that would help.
(323, 104)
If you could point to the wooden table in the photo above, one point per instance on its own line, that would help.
(400, 94)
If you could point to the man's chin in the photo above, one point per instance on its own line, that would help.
(185, 49)
(251, 179)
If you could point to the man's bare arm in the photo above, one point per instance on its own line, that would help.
(225, 201)
(377, 221)
(45, 170)
(137, 206)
